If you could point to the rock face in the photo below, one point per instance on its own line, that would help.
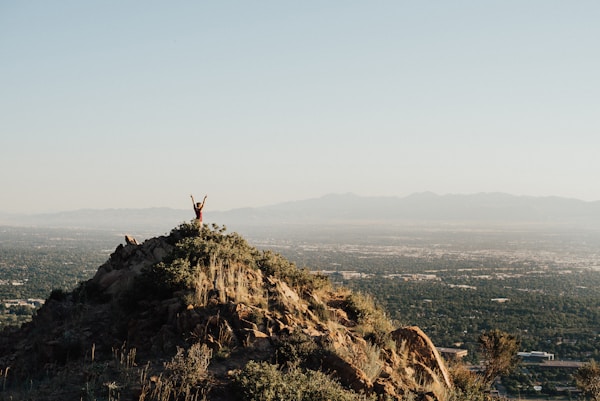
(204, 286)
(128, 261)
(425, 360)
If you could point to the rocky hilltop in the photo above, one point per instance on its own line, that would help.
(200, 314)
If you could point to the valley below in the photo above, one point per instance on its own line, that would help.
(539, 282)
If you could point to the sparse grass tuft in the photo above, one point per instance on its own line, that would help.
(467, 385)
(184, 377)
(366, 357)
(372, 321)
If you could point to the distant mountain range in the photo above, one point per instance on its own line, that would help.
(340, 209)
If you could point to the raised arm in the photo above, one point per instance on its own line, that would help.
(203, 201)
(193, 201)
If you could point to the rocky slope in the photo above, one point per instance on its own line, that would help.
(181, 316)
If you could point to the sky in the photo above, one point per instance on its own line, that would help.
(138, 104)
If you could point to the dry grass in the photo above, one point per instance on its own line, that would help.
(184, 377)
(4, 375)
(402, 351)
(372, 364)
(227, 282)
(364, 356)
(202, 285)
(124, 358)
(109, 379)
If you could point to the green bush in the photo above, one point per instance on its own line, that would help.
(261, 381)
(195, 248)
(370, 317)
(273, 264)
(295, 350)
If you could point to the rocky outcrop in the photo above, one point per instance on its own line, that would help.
(227, 301)
(129, 240)
(423, 358)
(128, 261)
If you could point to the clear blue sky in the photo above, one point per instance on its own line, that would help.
(112, 104)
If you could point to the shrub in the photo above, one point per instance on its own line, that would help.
(199, 252)
(468, 386)
(184, 378)
(587, 379)
(302, 280)
(261, 381)
(365, 356)
(189, 367)
(195, 250)
(499, 353)
(295, 350)
(319, 309)
(371, 318)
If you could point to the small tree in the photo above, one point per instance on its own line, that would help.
(587, 379)
(499, 350)
(468, 385)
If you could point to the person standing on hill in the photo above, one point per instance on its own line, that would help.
(198, 209)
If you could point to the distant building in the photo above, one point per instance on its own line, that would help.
(452, 353)
(500, 300)
(571, 391)
(343, 274)
(30, 302)
(561, 364)
(413, 277)
(536, 356)
(463, 286)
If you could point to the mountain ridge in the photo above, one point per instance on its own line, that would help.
(341, 209)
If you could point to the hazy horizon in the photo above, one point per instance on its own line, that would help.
(188, 206)
(139, 105)
(293, 201)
